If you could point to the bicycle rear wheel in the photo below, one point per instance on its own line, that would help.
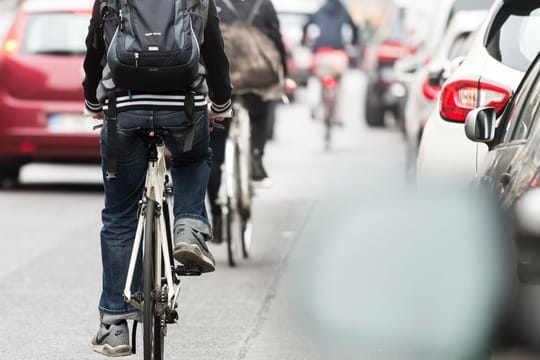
(152, 331)
(328, 115)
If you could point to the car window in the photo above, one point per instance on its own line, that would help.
(517, 104)
(513, 38)
(472, 4)
(527, 116)
(457, 45)
(55, 33)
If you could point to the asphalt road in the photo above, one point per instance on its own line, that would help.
(50, 262)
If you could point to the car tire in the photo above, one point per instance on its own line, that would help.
(9, 175)
(374, 112)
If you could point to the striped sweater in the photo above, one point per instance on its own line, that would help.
(216, 87)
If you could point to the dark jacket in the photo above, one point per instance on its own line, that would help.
(330, 19)
(217, 84)
(266, 21)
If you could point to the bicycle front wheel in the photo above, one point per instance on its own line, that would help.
(152, 328)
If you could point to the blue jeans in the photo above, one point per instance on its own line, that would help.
(190, 170)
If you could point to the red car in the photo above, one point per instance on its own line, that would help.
(41, 98)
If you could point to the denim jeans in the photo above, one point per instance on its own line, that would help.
(190, 170)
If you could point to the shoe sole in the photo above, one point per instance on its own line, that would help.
(191, 255)
(112, 351)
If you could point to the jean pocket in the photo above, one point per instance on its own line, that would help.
(184, 136)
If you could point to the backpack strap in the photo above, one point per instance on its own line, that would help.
(201, 7)
(252, 14)
(231, 7)
(254, 11)
(111, 164)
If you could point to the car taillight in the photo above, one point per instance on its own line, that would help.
(430, 92)
(390, 51)
(461, 96)
(329, 82)
(10, 46)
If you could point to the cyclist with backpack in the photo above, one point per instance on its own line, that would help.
(254, 44)
(150, 75)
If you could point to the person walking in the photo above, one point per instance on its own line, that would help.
(185, 115)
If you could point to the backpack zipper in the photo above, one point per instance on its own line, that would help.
(136, 59)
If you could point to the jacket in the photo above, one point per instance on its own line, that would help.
(331, 18)
(266, 20)
(216, 85)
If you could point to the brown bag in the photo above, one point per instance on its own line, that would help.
(255, 61)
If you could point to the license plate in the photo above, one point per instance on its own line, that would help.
(72, 124)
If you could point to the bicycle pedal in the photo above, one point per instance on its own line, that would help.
(171, 317)
(188, 270)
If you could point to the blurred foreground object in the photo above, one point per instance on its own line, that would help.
(386, 273)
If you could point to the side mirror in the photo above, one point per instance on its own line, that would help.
(435, 76)
(480, 124)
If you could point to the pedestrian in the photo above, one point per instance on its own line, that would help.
(185, 114)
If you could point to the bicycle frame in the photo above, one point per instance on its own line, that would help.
(236, 191)
(155, 194)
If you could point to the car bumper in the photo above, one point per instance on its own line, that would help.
(33, 131)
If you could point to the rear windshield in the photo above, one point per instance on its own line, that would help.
(513, 39)
(55, 34)
(472, 4)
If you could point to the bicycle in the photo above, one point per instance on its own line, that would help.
(236, 191)
(328, 66)
(154, 237)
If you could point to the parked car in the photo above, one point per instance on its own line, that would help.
(511, 168)
(389, 44)
(41, 100)
(499, 55)
(425, 85)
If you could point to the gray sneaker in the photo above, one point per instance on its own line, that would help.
(190, 248)
(112, 340)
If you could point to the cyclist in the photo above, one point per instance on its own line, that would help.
(332, 17)
(259, 109)
(329, 46)
(190, 169)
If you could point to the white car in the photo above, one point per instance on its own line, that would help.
(425, 85)
(499, 55)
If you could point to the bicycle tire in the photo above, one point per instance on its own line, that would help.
(229, 223)
(328, 114)
(152, 334)
(243, 206)
(246, 237)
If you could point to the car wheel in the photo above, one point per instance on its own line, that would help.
(9, 175)
(374, 112)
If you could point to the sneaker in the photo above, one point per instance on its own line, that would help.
(217, 229)
(190, 248)
(112, 340)
(258, 172)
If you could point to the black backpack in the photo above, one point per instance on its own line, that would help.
(153, 45)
